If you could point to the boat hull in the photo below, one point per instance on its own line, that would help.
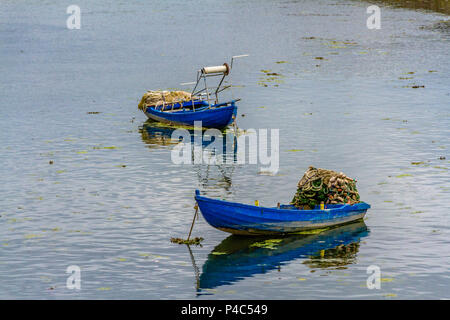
(242, 219)
(215, 117)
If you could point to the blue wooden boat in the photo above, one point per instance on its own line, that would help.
(218, 115)
(204, 106)
(244, 219)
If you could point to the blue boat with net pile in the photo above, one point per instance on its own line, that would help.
(202, 105)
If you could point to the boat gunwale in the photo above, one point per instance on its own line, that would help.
(183, 110)
(361, 206)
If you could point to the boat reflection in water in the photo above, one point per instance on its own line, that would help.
(210, 176)
(155, 135)
(236, 257)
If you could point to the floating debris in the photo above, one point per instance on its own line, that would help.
(270, 77)
(267, 244)
(313, 231)
(218, 253)
(93, 112)
(404, 175)
(195, 241)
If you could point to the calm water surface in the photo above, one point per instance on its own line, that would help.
(112, 198)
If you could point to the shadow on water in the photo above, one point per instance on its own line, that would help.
(237, 258)
(156, 134)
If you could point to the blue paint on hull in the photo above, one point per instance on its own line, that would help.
(245, 219)
(217, 116)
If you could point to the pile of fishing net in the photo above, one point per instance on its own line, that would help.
(159, 97)
(327, 186)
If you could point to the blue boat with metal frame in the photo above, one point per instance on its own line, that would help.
(203, 105)
(244, 219)
(215, 116)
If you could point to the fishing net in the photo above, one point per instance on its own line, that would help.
(327, 186)
(159, 97)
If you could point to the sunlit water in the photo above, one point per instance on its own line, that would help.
(112, 198)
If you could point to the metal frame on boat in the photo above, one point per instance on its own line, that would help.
(212, 114)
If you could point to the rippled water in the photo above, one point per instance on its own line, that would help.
(112, 198)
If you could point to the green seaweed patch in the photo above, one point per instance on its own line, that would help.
(32, 236)
(267, 244)
(404, 175)
(313, 231)
(105, 148)
(218, 253)
(104, 288)
(195, 241)
(295, 150)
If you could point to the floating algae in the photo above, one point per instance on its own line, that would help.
(196, 241)
(327, 186)
(218, 253)
(313, 231)
(270, 77)
(404, 175)
(267, 244)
